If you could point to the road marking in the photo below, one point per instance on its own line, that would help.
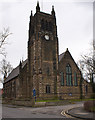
(64, 113)
(69, 116)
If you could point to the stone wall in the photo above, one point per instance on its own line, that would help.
(42, 54)
(64, 91)
(10, 88)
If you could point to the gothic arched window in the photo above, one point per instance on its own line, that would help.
(42, 24)
(47, 88)
(75, 79)
(68, 75)
(62, 78)
(50, 26)
(48, 72)
(46, 25)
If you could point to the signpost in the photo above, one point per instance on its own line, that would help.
(34, 94)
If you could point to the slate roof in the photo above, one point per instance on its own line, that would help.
(61, 56)
(15, 72)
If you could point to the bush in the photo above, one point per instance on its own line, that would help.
(89, 106)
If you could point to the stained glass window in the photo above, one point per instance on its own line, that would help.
(75, 79)
(62, 78)
(68, 75)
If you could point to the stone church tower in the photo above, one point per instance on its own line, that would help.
(42, 54)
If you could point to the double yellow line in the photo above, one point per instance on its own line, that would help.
(65, 113)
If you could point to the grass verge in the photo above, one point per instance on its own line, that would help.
(70, 101)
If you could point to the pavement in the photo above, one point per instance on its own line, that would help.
(80, 113)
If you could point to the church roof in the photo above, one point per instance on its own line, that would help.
(15, 72)
(61, 56)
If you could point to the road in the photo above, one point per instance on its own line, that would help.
(9, 111)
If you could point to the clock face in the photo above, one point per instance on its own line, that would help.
(46, 37)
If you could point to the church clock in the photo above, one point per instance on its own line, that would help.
(47, 37)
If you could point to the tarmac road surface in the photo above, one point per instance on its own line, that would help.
(10, 111)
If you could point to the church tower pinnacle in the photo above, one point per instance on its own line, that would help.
(53, 11)
(37, 7)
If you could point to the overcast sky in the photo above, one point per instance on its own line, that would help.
(74, 25)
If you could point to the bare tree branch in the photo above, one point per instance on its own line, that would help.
(86, 66)
(5, 68)
(3, 37)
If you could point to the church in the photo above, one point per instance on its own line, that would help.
(45, 74)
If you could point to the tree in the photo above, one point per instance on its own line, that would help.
(87, 67)
(5, 68)
(3, 40)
